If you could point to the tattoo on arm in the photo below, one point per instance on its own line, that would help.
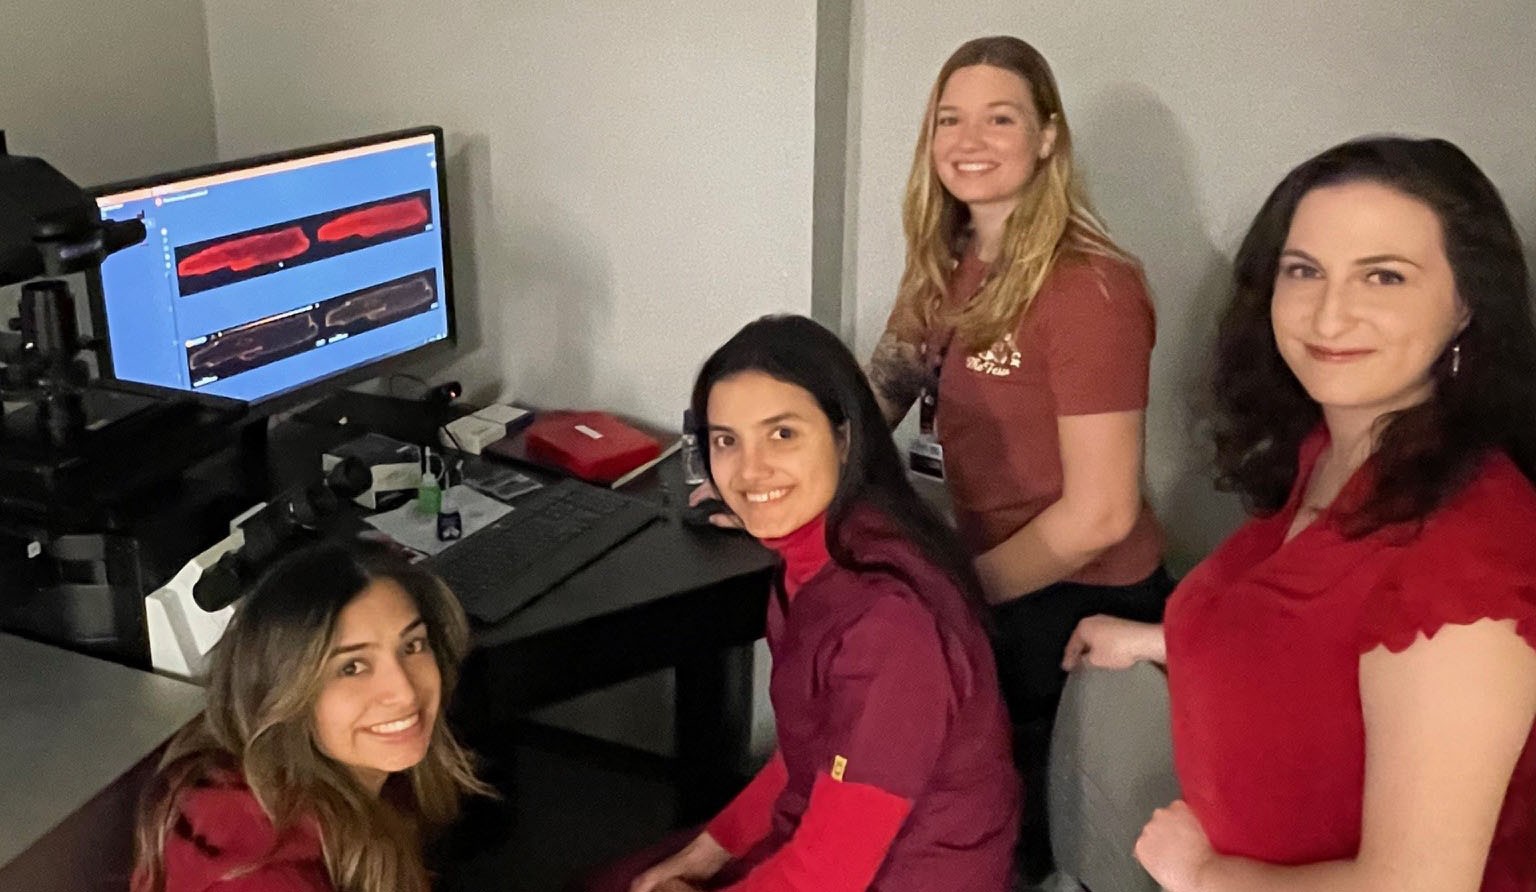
(897, 374)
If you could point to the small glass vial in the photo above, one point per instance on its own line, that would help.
(693, 459)
(450, 525)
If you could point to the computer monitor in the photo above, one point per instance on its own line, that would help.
(269, 278)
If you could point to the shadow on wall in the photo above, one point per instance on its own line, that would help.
(530, 289)
(468, 164)
(555, 292)
(1140, 168)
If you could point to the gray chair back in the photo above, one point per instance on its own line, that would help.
(1111, 765)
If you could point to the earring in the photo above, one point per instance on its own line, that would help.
(1455, 358)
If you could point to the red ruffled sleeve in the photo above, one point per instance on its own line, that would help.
(1474, 559)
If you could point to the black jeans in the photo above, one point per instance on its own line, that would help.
(1029, 635)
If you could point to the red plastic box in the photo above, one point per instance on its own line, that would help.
(594, 446)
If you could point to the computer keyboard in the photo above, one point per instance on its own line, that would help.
(548, 535)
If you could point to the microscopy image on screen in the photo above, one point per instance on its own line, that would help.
(254, 344)
(408, 214)
(223, 354)
(381, 304)
(238, 256)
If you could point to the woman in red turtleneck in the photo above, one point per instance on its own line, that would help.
(893, 769)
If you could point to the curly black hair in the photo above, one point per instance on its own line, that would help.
(1427, 452)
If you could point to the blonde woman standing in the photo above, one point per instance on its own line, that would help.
(1041, 330)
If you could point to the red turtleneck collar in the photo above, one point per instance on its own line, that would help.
(804, 552)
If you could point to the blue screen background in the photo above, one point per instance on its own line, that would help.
(149, 322)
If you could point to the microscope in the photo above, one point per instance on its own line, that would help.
(72, 444)
(187, 616)
(79, 455)
(49, 228)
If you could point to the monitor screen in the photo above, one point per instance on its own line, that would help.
(262, 278)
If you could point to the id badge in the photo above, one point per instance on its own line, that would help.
(925, 455)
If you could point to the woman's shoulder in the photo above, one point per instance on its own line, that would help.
(1495, 509)
(1471, 560)
(1116, 277)
(220, 835)
(873, 537)
(897, 582)
(907, 619)
(1095, 290)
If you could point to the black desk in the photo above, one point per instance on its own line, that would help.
(672, 596)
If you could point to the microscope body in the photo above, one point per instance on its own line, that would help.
(181, 632)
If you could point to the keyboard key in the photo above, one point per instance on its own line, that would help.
(548, 535)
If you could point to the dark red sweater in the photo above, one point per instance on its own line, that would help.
(223, 842)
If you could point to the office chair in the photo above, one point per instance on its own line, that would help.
(1111, 764)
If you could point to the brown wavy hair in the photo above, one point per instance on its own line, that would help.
(264, 678)
(1053, 218)
(1424, 453)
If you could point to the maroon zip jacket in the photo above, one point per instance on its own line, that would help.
(878, 690)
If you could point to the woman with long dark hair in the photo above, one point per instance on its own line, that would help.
(892, 770)
(321, 757)
(1025, 334)
(1353, 673)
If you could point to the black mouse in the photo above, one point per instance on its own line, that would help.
(699, 515)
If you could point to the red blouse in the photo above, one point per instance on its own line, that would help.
(1264, 645)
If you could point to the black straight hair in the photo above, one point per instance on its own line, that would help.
(1483, 399)
(799, 351)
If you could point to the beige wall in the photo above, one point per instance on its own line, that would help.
(1186, 113)
(105, 91)
(631, 180)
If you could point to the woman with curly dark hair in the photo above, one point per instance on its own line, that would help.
(1353, 673)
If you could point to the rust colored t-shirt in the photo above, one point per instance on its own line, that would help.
(1083, 348)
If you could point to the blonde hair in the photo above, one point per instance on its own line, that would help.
(1052, 220)
(264, 679)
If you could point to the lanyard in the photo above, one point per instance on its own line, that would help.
(935, 348)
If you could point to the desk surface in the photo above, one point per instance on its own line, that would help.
(668, 593)
(70, 726)
(673, 596)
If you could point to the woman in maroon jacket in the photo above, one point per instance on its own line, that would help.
(320, 755)
(893, 769)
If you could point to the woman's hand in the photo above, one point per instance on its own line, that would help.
(1112, 643)
(1174, 849)
(699, 860)
(724, 519)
